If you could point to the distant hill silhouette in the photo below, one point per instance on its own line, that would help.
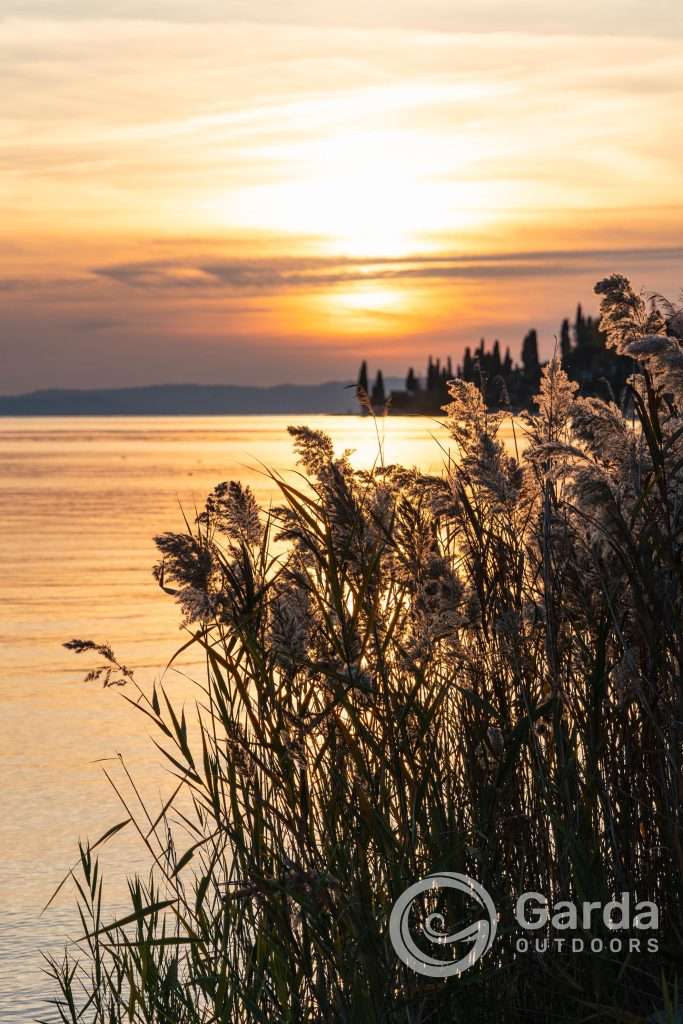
(184, 400)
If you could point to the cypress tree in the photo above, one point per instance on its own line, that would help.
(412, 383)
(565, 343)
(496, 364)
(530, 359)
(362, 378)
(430, 375)
(378, 397)
(580, 328)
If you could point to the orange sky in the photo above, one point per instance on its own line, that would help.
(264, 192)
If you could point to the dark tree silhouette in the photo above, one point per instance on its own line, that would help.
(362, 385)
(565, 343)
(597, 369)
(530, 352)
(530, 360)
(378, 397)
(496, 364)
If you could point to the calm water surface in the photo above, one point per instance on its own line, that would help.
(80, 501)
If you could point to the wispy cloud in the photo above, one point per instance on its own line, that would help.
(611, 17)
(181, 147)
(214, 126)
(258, 275)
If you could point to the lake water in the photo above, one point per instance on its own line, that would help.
(80, 503)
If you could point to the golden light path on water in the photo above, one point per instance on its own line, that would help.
(80, 503)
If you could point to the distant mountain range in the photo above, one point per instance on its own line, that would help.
(184, 400)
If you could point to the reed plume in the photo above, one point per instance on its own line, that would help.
(476, 672)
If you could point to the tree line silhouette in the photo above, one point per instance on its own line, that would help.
(586, 358)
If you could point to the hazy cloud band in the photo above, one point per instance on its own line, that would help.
(259, 275)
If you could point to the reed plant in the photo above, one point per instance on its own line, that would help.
(478, 671)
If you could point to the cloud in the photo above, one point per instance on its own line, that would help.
(277, 275)
(246, 126)
(583, 17)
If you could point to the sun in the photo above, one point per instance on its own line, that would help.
(356, 193)
(366, 194)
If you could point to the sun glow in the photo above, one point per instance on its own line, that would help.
(359, 308)
(357, 193)
(368, 299)
(373, 193)
(322, 185)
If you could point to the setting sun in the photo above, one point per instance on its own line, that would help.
(312, 176)
(341, 402)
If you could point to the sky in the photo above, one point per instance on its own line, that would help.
(266, 192)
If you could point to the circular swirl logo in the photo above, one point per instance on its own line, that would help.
(480, 933)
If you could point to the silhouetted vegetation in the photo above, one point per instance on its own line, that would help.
(478, 671)
(585, 354)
